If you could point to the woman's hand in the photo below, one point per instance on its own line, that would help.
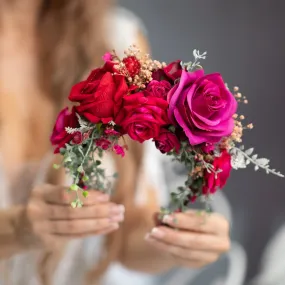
(194, 240)
(52, 219)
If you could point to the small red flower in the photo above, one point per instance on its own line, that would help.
(132, 65)
(103, 143)
(78, 138)
(213, 181)
(119, 150)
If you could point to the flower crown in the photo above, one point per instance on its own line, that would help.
(189, 115)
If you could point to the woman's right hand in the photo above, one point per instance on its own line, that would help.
(52, 219)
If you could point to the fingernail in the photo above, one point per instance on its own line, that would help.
(103, 198)
(117, 209)
(118, 218)
(167, 219)
(157, 233)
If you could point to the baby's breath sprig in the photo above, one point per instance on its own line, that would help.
(137, 67)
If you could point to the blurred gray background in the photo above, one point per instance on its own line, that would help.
(245, 41)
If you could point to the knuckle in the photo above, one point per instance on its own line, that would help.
(62, 194)
(222, 221)
(213, 258)
(198, 265)
(226, 245)
(68, 212)
(38, 191)
(35, 210)
(100, 223)
(70, 226)
(95, 211)
(196, 241)
(51, 212)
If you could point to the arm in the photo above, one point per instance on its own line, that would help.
(136, 253)
(15, 233)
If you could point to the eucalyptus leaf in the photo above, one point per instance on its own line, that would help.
(249, 151)
(262, 161)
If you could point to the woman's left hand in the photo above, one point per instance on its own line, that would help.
(194, 240)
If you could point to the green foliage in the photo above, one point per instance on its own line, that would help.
(74, 187)
(80, 159)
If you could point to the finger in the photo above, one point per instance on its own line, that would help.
(189, 263)
(194, 221)
(51, 240)
(191, 240)
(76, 227)
(58, 212)
(60, 195)
(186, 254)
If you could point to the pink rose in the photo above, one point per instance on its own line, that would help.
(202, 106)
(167, 141)
(59, 135)
(159, 88)
(107, 57)
(214, 182)
(103, 143)
(142, 117)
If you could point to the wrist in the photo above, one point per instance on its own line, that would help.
(23, 231)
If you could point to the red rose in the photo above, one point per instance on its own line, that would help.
(100, 96)
(158, 88)
(103, 143)
(59, 135)
(142, 117)
(167, 141)
(170, 73)
(213, 181)
(77, 138)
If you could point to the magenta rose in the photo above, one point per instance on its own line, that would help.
(169, 73)
(167, 141)
(119, 150)
(213, 181)
(100, 96)
(207, 147)
(202, 106)
(142, 117)
(59, 135)
(158, 88)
